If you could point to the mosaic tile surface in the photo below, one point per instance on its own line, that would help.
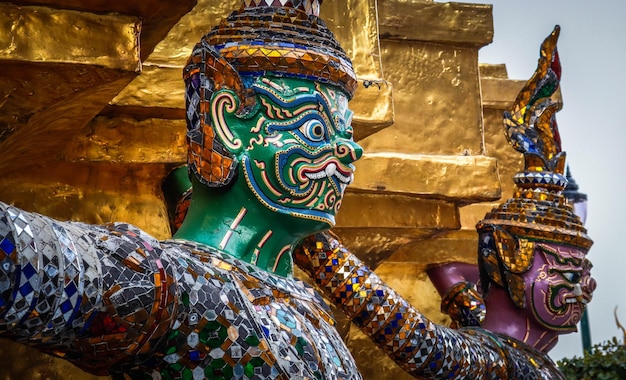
(264, 37)
(422, 348)
(114, 300)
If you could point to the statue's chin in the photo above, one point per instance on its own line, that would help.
(310, 219)
(564, 323)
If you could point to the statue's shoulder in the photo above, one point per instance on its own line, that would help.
(527, 362)
(257, 284)
(523, 362)
(126, 243)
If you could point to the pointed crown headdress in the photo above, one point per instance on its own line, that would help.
(538, 210)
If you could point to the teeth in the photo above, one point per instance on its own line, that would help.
(570, 300)
(342, 178)
(318, 175)
(331, 169)
(578, 290)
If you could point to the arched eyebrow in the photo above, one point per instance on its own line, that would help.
(277, 94)
(550, 252)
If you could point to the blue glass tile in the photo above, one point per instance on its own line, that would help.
(7, 246)
(26, 289)
(194, 355)
(29, 271)
(66, 306)
(70, 289)
(238, 370)
(75, 313)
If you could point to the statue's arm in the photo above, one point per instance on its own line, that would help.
(419, 346)
(460, 297)
(97, 296)
(445, 276)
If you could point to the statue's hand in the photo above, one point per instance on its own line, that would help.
(464, 305)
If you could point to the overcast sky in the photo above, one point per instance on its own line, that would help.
(592, 48)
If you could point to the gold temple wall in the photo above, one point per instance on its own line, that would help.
(89, 135)
(433, 154)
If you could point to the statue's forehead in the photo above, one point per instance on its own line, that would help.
(333, 98)
(562, 255)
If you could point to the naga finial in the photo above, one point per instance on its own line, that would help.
(538, 211)
(531, 126)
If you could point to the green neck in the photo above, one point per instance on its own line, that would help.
(235, 223)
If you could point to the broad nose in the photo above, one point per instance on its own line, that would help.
(590, 285)
(347, 151)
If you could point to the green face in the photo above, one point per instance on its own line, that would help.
(295, 150)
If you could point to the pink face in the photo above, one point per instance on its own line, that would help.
(560, 286)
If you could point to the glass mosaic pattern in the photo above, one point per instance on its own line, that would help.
(464, 304)
(422, 348)
(278, 38)
(311, 7)
(114, 300)
(538, 209)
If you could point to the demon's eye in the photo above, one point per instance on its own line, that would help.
(572, 277)
(314, 130)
